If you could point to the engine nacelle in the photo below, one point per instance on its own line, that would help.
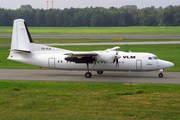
(80, 60)
(106, 57)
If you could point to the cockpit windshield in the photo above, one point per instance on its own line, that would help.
(153, 58)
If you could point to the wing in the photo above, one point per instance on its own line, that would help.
(89, 57)
(81, 54)
(113, 49)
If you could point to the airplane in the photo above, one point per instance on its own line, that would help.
(24, 50)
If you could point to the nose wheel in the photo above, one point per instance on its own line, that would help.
(160, 75)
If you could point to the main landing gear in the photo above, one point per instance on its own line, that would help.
(88, 73)
(160, 75)
(99, 72)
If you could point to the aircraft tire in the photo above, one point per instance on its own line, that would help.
(160, 75)
(88, 75)
(99, 72)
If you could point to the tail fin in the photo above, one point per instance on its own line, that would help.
(21, 38)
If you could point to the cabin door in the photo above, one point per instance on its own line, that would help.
(52, 62)
(139, 64)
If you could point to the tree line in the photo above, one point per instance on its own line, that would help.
(94, 17)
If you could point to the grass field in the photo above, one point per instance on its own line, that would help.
(166, 52)
(21, 100)
(98, 30)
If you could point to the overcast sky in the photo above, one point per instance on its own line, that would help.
(61, 4)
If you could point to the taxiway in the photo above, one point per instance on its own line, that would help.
(102, 36)
(78, 76)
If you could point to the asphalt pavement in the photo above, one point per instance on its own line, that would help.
(103, 36)
(111, 43)
(78, 76)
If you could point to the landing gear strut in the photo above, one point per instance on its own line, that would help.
(88, 74)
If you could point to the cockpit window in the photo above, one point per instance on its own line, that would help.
(153, 58)
(150, 58)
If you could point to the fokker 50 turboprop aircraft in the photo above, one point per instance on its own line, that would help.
(24, 50)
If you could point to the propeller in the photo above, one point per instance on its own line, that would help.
(116, 59)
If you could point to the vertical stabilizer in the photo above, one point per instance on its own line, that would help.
(21, 39)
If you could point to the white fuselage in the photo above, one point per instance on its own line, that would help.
(54, 58)
(24, 50)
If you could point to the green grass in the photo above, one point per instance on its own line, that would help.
(20, 100)
(5, 40)
(165, 52)
(142, 30)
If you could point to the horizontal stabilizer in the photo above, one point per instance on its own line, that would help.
(16, 50)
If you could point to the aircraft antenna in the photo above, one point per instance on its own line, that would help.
(127, 48)
(47, 4)
(52, 3)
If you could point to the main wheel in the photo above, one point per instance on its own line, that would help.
(99, 72)
(88, 75)
(160, 75)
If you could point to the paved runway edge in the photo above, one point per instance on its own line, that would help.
(118, 43)
(111, 43)
(103, 36)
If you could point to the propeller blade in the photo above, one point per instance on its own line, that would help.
(116, 59)
(117, 63)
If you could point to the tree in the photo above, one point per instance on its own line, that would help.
(4, 18)
(168, 16)
(130, 6)
(98, 16)
(50, 18)
(40, 17)
(26, 7)
(177, 16)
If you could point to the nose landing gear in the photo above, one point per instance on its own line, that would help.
(160, 75)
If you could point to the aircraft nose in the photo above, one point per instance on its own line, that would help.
(166, 64)
(171, 64)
